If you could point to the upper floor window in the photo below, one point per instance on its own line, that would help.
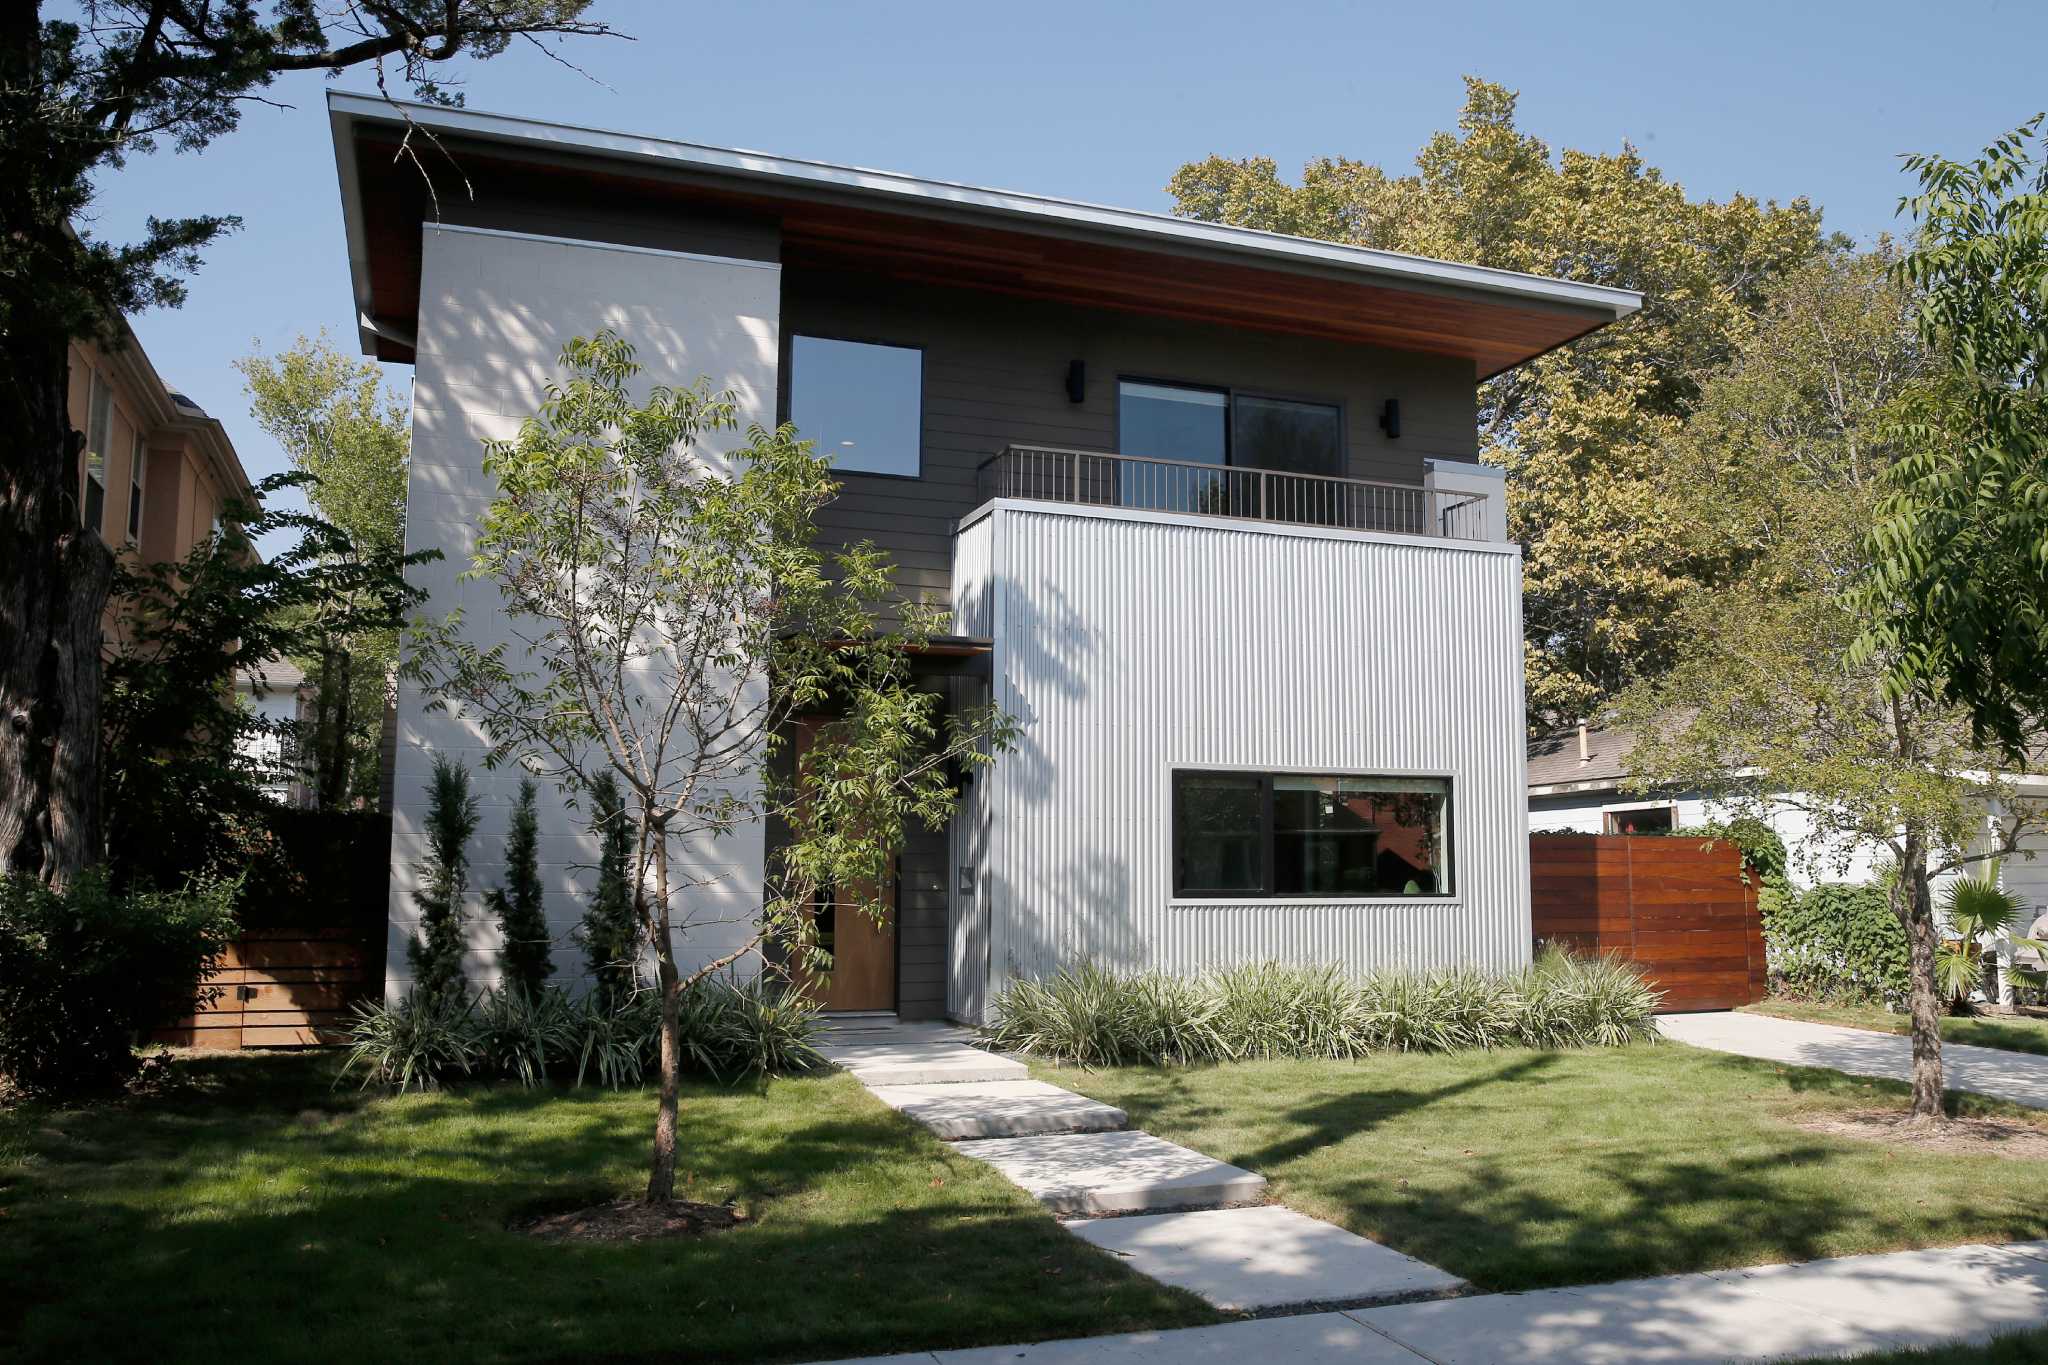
(1215, 426)
(862, 403)
(135, 477)
(1255, 835)
(99, 436)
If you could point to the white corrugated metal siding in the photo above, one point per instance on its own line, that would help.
(1130, 644)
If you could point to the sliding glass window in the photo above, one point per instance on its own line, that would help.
(1310, 835)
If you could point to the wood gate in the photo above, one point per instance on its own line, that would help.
(1678, 907)
(280, 988)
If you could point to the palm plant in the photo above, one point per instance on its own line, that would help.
(1976, 909)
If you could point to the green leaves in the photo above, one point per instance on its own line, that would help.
(1956, 590)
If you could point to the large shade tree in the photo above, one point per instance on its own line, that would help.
(351, 436)
(80, 95)
(1580, 430)
(1781, 467)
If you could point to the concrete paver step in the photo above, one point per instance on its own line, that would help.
(921, 1063)
(1247, 1260)
(1123, 1172)
(999, 1109)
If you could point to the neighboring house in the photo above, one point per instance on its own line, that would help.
(282, 696)
(1576, 784)
(1204, 501)
(156, 472)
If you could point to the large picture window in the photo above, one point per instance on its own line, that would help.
(1258, 835)
(1216, 426)
(862, 403)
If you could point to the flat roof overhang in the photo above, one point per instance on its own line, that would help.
(846, 219)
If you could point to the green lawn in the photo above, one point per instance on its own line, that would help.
(265, 1216)
(1526, 1169)
(2014, 1348)
(2015, 1033)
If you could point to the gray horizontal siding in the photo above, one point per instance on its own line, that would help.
(995, 373)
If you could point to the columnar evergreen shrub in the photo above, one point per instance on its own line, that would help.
(609, 931)
(1094, 1016)
(527, 957)
(435, 952)
(85, 972)
(1837, 942)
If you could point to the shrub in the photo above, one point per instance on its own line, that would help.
(1837, 942)
(609, 933)
(424, 1042)
(528, 954)
(1763, 852)
(435, 952)
(1093, 1016)
(524, 1037)
(727, 1030)
(85, 973)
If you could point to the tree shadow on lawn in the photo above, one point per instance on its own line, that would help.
(316, 1224)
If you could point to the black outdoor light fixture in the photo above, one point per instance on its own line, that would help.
(1077, 380)
(1390, 419)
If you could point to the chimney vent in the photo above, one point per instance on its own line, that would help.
(1585, 747)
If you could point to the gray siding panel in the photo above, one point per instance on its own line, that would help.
(1129, 645)
(995, 372)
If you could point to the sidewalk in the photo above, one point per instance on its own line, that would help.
(1819, 1309)
(2018, 1077)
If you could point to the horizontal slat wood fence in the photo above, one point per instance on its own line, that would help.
(280, 988)
(1678, 907)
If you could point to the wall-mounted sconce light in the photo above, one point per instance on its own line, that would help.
(1390, 419)
(1077, 380)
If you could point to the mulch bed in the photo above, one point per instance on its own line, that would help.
(634, 1220)
(1976, 1136)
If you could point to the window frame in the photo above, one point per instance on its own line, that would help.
(786, 397)
(1265, 777)
(1608, 814)
(1231, 393)
(138, 465)
(99, 434)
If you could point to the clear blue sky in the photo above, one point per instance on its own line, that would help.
(1102, 101)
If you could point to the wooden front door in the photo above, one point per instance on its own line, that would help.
(862, 975)
(862, 972)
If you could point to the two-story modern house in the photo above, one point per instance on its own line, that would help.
(1204, 501)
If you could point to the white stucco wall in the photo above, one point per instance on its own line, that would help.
(1130, 644)
(495, 309)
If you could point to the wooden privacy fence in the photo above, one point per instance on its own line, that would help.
(281, 988)
(1678, 907)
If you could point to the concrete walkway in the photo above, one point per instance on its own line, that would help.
(2018, 1077)
(1195, 1222)
(1820, 1309)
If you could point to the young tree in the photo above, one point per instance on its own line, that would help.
(339, 425)
(671, 618)
(79, 96)
(1784, 463)
(177, 774)
(1580, 430)
(528, 953)
(1957, 584)
(435, 952)
(609, 933)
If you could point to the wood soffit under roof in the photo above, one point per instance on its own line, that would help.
(819, 234)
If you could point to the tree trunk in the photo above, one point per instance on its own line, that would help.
(337, 676)
(1913, 901)
(54, 576)
(661, 1173)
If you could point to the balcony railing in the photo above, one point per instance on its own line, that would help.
(1091, 477)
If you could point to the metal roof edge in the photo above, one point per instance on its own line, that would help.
(345, 107)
